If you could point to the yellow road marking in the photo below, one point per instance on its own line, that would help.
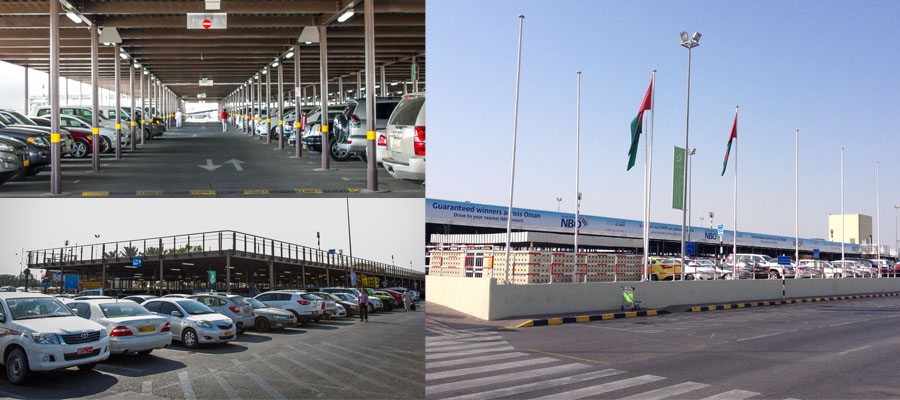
(630, 314)
(309, 191)
(741, 305)
(353, 190)
(94, 194)
(554, 321)
(567, 356)
(652, 312)
(711, 308)
(695, 309)
(203, 192)
(149, 193)
(582, 318)
(726, 307)
(525, 324)
(607, 316)
(257, 191)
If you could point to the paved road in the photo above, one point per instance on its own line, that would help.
(382, 358)
(196, 158)
(841, 349)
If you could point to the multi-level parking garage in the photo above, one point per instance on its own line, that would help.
(257, 59)
(219, 260)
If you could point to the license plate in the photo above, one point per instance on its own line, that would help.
(315, 313)
(293, 321)
(85, 350)
(143, 329)
(395, 143)
(63, 147)
(329, 312)
(304, 147)
(227, 333)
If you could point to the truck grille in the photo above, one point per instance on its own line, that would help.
(77, 338)
(75, 356)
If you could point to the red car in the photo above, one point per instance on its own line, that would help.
(398, 297)
(83, 138)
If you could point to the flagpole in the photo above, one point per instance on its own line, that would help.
(512, 172)
(577, 166)
(734, 248)
(843, 235)
(878, 215)
(649, 175)
(797, 201)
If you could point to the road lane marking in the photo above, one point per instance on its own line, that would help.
(352, 361)
(472, 360)
(469, 335)
(732, 395)
(432, 349)
(186, 385)
(668, 391)
(379, 358)
(843, 323)
(760, 336)
(593, 391)
(347, 370)
(488, 368)
(467, 352)
(623, 329)
(567, 356)
(856, 349)
(320, 374)
(287, 377)
(147, 387)
(513, 390)
(259, 381)
(446, 387)
(229, 391)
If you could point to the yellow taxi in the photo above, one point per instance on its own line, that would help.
(663, 269)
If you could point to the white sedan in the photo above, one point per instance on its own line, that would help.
(131, 328)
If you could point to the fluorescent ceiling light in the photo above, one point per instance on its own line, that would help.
(74, 17)
(275, 64)
(136, 65)
(345, 16)
(123, 55)
(394, 83)
(187, 263)
(308, 42)
(265, 72)
(289, 54)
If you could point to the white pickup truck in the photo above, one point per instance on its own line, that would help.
(39, 333)
(775, 270)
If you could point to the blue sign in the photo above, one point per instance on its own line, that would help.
(816, 254)
(353, 278)
(690, 248)
(330, 251)
(71, 282)
(784, 260)
(721, 230)
(45, 283)
(58, 273)
(137, 262)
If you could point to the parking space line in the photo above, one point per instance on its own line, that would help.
(259, 381)
(346, 370)
(732, 395)
(410, 370)
(844, 323)
(432, 349)
(592, 391)
(568, 356)
(668, 391)
(467, 335)
(351, 361)
(186, 385)
(446, 387)
(147, 387)
(466, 352)
(229, 391)
(856, 349)
(513, 390)
(760, 336)
(287, 377)
(488, 368)
(472, 360)
(395, 354)
(327, 377)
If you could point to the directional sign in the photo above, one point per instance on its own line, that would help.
(206, 82)
(207, 21)
(45, 282)
(209, 165)
(71, 282)
(690, 248)
(784, 260)
(202, 95)
(353, 278)
(816, 254)
(331, 251)
(721, 230)
(137, 262)
(212, 276)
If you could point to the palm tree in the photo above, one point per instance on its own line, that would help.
(129, 252)
(151, 251)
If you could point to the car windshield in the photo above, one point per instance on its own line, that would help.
(20, 118)
(117, 310)
(239, 300)
(37, 307)
(768, 259)
(307, 296)
(256, 304)
(194, 308)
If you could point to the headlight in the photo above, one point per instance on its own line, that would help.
(40, 142)
(6, 147)
(284, 316)
(102, 333)
(45, 338)
(204, 324)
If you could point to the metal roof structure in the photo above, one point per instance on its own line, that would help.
(154, 35)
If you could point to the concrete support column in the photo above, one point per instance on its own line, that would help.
(281, 104)
(27, 103)
(415, 75)
(95, 97)
(228, 272)
(303, 274)
(133, 115)
(271, 275)
(297, 84)
(251, 97)
(323, 79)
(269, 105)
(117, 74)
(160, 273)
(371, 168)
(384, 88)
(340, 96)
(259, 98)
(55, 172)
(143, 101)
(359, 85)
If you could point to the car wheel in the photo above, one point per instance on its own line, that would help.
(16, 366)
(337, 154)
(838, 275)
(81, 149)
(189, 338)
(146, 134)
(144, 353)
(773, 275)
(86, 367)
(262, 324)
(108, 144)
(653, 277)
(371, 308)
(689, 277)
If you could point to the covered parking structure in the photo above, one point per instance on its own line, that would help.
(165, 52)
(239, 260)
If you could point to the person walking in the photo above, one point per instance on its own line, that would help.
(364, 306)
(407, 300)
(224, 120)
(178, 117)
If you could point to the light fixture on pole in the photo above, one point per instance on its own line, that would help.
(577, 172)
(512, 172)
(688, 43)
(558, 202)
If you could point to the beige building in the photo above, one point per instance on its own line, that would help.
(858, 228)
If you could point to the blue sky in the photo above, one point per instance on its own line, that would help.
(827, 68)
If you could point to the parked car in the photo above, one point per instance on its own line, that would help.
(776, 271)
(397, 296)
(66, 143)
(140, 298)
(37, 144)
(350, 126)
(404, 156)
(375, 304)
(311, 137)
(230, 305)
(270, 317)
(48, 336)
(177, 296)
(664, 269)
(704, 270)
(387, 299)
(107, 135)
(82, 138)
(305, 310)
(883, 267)
(345, 300)
(13, 157)
(130, 327)
(191, 322)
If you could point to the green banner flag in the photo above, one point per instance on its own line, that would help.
(678, 180)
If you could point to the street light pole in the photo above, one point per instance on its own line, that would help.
(688, 43)
(512, 172)
(558, 202)
(797, 197)
(690, 161)
(577, 173)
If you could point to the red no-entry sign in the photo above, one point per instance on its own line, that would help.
(207, 23)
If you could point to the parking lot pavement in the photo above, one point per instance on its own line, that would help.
(842, 349)
(382, 358)
(199, 160)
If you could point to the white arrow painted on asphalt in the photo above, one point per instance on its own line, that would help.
(236, 163)
(209, 165)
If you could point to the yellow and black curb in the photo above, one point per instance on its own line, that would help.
(589, 318)
(788, 301)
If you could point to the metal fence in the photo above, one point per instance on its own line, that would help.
(212, 242)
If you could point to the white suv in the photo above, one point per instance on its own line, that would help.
(306, 310)
(775, 270)
(41, 334)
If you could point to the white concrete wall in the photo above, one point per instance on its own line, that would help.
(484, 299)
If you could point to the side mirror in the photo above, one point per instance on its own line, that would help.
(2, 317)
(177, 314)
